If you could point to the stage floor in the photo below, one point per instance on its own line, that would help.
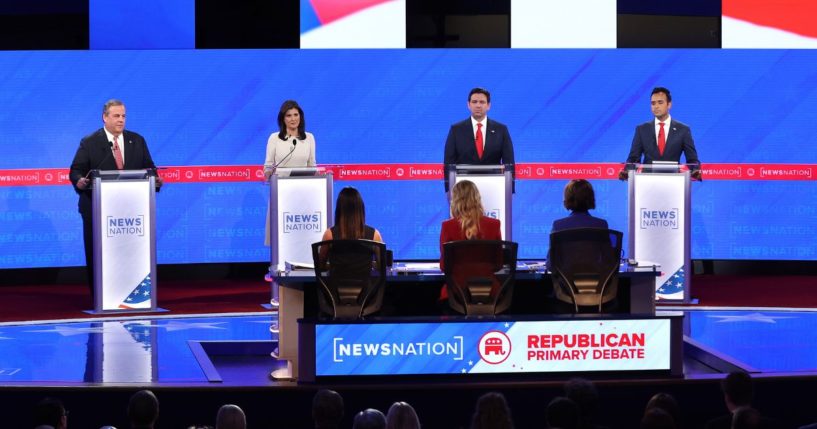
(199, 350)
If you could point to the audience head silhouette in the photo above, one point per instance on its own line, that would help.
(656, 418)
(584, 393)
(327, 409)
(143, 410)
(666, 402)
(402, 416)
(369, 419)
(562, 413)
(737, 390)
(492, 412)
(50, 413)
(231, 417)
(746, 418)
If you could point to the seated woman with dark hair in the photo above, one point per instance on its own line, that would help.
(350, 223)
(350, 219)
(468, 221)
(579, 198)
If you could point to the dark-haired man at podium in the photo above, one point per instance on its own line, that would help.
(663, 138)
(109, 148)
(478, 140)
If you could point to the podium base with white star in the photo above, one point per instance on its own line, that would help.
(659, 219)
(124, 229)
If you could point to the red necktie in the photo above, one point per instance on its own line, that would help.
(479, 140)
(662, 139)
(117, 155)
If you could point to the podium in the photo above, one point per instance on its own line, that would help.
(659, 225)
(300, 211)
(495, 184)
(124, 234)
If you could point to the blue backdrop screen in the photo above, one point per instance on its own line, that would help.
(390, 106)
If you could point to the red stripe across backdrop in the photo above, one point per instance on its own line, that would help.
(524, 171)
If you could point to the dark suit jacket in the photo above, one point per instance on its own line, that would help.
(489, 229)
(460, 147)
(578, 220)
(679, 140)
(95, 153)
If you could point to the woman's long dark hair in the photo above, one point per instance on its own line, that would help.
(282, 127)
(350, 215)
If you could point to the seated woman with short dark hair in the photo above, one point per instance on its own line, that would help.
(579, 198)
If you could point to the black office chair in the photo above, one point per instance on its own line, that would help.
(351, 277)
(585, 263)
(480, 275)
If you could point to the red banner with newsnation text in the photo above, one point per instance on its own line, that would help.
(348, 172)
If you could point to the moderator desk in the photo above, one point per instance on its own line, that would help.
(292, 285)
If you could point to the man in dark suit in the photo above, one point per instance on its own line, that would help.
(109, 148)
(663, 138)
(478, 140)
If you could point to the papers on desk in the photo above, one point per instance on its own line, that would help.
(532, 266)
(416, 267)
(293, 265)
(646, 266)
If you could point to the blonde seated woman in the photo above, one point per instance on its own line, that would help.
(468, 221)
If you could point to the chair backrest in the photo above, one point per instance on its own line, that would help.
(351, 277)
(585, 263)
(479, 275)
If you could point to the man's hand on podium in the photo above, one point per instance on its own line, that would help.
(159, 181)
(696, 175)
(623, 175)
(268, 173)
(83, 183)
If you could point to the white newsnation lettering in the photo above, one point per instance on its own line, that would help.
(398, 349)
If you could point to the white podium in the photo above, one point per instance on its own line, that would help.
(300, 211)
(495, 184)
(124, 230)
(659, 224)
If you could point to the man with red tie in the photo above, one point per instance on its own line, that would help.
(663, 138)
(478, 140)
(109, 148)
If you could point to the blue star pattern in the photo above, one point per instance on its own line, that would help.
(674, 283)
(140, 332)
(139, 296)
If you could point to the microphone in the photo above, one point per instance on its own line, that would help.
(294, 144)
(110, 152)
